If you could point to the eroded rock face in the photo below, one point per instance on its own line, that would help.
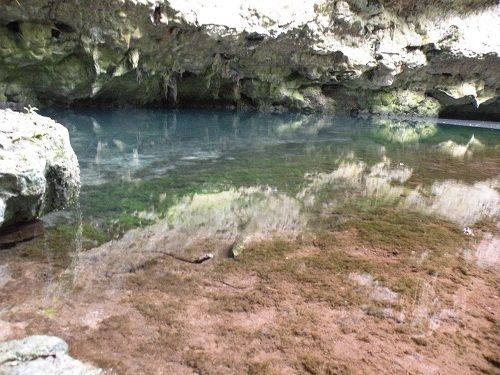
(40, 355)
(39, 170)
(424, 58)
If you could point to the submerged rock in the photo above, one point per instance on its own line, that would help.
(39, 170)
(388, 56)
(41, 355)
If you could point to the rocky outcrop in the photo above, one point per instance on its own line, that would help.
(40, 355)
(39, 170)
(421, 58)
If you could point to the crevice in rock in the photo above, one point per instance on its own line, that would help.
(248, 100)
(63, 27)
(55, 33)
(330, 90)
(14, 27)
(254, 38)
(295, 75)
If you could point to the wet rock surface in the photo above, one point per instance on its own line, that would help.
(40, 355)
(39, 170)
(425, 58)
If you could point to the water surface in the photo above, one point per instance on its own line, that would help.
(139, 167)
(346, 234)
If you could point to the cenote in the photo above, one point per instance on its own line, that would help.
(226, 187)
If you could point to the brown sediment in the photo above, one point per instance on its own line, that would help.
(364, 298)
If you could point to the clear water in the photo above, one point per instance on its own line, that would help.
(139, 167)
(374, 212)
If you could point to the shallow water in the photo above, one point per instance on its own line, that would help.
(356, 224)
(205, 172)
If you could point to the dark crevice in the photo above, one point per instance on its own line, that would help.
(14, 27)
(249, 100)
(187, 74)
(254, 37)
(63, 27)
(55, 33)
(330, 90)
(59, 28)
(111, 69)
(157, 14)
(369, 74)
(295, 75)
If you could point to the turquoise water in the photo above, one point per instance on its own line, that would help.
(138, 166)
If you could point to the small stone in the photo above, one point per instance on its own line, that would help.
(41, 355)
(468, 231)
(421, 341)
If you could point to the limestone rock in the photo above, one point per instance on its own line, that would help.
(46, 355)
(39, 170)
(382, 56)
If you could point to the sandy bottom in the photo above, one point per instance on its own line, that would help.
(333, 303)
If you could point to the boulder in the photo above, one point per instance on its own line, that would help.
(39, 170)
(41, 355)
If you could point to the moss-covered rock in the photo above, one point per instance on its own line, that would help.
(401, 101)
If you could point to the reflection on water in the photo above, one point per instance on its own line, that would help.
(211, 222)
(211, 180)
(366, 216)
(375, 182)
(403, 131)
(458, 202)
(460, 151)
(144, 144)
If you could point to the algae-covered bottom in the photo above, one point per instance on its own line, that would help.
(347, 234)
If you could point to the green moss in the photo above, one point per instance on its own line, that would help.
(400, 101)
(35, 33)
(49, 312)
(39, 136)
(274, 261)
(107, 57)
(406, 285)
(207, 176)
(405, 231)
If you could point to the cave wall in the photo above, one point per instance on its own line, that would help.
(382, 56)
